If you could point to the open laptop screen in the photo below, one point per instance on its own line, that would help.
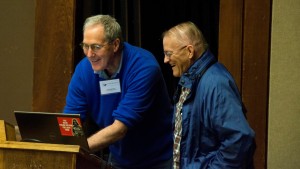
(46, 127)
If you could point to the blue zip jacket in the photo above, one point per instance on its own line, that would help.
(215, 132)
(143, 106)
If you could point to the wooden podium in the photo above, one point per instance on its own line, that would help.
(25, 155)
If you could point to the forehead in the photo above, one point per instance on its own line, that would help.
(94, 32)
(170, 42)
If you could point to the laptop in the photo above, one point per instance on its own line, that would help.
(56, 128)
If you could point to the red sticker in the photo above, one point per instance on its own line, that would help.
(70, 126)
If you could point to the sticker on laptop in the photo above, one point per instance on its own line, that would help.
(70, 126)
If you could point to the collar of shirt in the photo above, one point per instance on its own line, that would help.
(102, 74)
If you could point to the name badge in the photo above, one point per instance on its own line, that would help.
(110, 86)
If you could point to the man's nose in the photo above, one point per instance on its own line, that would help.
(166, 59)
(89, 52)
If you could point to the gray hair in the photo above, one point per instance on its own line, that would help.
(112, 28)
(187, 33)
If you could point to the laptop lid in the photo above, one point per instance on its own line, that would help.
(46, 127)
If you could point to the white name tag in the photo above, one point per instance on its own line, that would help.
(110, 86)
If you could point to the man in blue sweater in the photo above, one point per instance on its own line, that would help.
(123, 90)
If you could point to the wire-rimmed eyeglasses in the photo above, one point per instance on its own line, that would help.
(170, 53)
(94, 47)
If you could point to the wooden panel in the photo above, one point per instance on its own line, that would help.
(256, 71)
(40, 146)
(28, 155)
(7, 132)
(27, 159)
(231, 37)
(53, 53)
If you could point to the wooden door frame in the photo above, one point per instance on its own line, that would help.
(53, 53)
(244, 45)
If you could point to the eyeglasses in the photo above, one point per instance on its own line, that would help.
(94, 47)
(170, 53)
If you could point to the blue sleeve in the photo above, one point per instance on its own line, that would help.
(76, 100)
(233, 131)
(141, 91)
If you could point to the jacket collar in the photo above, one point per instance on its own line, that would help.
(197, 69)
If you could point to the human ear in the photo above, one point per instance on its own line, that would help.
(190, 49)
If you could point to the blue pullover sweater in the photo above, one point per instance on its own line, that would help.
(143, 105)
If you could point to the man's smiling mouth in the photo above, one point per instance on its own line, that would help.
(95, 60)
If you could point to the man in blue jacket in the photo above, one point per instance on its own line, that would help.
(210, 130)
(122, 88)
